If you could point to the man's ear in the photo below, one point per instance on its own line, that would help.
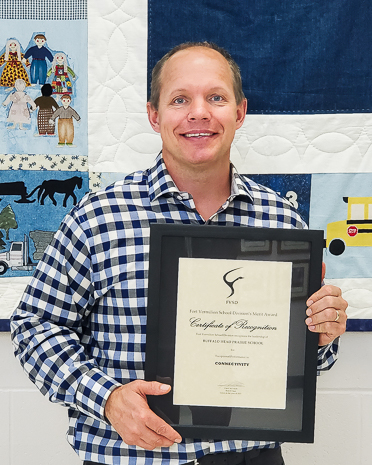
(152, 115)
(241, 111)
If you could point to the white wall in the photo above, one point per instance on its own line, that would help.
(32, 430)
(344, 410)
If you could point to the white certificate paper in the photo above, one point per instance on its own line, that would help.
(232, 333)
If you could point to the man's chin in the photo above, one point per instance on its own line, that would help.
(199, 158)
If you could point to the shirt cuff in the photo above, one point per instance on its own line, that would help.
(94, 389)
(327, 355)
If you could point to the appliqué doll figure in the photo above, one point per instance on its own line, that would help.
(61, 83)
(19, 112)
(65, 124)
(47, 105)
(14, 69)
(39, 54)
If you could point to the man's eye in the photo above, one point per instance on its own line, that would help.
(217, 98)
(179, 100)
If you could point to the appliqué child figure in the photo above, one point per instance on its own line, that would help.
(47, 105)
(19, 112)
(65, 113)
(39, 54)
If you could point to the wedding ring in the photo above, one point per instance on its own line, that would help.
(337, 316)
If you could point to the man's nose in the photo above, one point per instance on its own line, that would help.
(198, 110)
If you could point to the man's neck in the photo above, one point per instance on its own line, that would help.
(209, 186)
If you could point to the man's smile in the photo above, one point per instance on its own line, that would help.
(198, 134)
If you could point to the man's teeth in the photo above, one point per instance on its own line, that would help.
(199, 134)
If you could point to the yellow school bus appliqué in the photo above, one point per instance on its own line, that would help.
(356, 230)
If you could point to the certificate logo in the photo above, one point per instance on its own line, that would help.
(230, 283)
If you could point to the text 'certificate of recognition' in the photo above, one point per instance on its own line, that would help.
(232, 333)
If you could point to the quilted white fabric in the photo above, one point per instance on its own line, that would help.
(11, 291)
(358, 293)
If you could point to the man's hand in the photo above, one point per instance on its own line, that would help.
(128, 412)
(326, 313)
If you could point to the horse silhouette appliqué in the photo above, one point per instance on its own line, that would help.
(52, 186)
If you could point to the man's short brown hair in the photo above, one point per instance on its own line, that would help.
(40, 36)
(156, 72)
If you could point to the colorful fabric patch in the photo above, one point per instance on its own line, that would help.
(32, 206)
(34, 77)
(341, 205)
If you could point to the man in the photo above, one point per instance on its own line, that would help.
(39, 54)
(80, 328)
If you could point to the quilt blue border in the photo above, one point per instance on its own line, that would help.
(4, 325)
(359, 325)
(295, 57)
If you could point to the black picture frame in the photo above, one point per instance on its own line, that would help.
(304, 248)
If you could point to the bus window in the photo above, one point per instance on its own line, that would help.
(357, 211)
(370, 211)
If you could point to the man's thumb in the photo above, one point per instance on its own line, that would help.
(153, 388)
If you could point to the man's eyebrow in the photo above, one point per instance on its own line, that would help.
(218, 89)
(177, 91)
(211, 90)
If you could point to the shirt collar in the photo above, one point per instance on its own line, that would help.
(161, 182)
(240, 186)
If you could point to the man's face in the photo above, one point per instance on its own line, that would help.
(40, 42)
(197, 115)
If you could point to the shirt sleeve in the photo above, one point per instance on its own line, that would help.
(75, 114)
(71, 72)
(48, 55)
(8, 99)
(47, 328)
(327, 355)
(28, 53)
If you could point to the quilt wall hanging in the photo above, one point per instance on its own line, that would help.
(43, 132)
(306, 70)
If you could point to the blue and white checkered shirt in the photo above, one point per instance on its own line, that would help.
(80, 329)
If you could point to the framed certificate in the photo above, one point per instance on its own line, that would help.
(225, 328)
